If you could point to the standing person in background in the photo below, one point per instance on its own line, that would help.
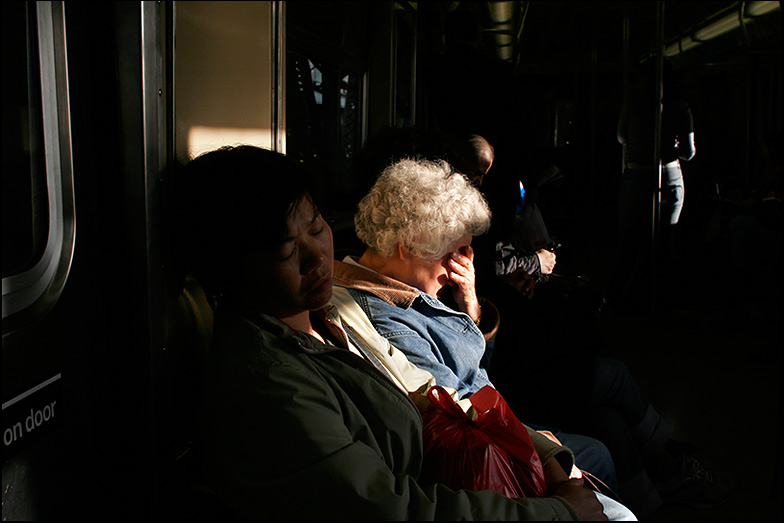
(636, 127)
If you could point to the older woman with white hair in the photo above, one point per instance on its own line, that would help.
(415, 282)
(418, 222)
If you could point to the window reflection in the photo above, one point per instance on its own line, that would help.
(317, 83)
(326, 60)
(323, 119)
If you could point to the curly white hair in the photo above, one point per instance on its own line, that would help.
(423, 205)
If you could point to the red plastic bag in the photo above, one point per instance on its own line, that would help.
(492, 452)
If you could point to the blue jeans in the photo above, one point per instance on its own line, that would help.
(616, 413)
(620, 416)
(673, 193)
(634, 269)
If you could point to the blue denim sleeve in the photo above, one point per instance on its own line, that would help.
(427, 343)
(421, 353)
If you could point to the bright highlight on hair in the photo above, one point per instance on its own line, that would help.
(423, 205)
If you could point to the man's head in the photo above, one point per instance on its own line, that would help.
(480, 158)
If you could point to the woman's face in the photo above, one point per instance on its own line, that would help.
(296, 276)
(430, 276)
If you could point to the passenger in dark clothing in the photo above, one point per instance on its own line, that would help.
(639, 181)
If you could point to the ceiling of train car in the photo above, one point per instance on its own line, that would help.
(557, 32)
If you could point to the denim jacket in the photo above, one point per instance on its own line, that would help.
(434, 337)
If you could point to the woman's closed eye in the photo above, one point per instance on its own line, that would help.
(290, 248)
(287, 250)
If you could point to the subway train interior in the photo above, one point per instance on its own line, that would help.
(103, 335)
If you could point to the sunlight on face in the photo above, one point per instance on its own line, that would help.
(297, 275)
(430, 276)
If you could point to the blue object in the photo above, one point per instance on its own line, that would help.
(521, 204)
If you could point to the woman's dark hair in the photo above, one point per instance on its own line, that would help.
(235, 201)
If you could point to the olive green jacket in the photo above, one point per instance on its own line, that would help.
(296, 429)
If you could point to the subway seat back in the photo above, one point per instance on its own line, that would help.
(189, 329)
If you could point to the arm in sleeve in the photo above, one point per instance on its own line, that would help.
(508, 260)
(686, 147)
(547, 449)
(422, 354)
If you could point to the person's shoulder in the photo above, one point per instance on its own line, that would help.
(252, 343)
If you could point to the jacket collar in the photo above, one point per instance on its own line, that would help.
(328, 314)
(354, 276)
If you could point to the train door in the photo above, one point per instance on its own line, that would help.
(83, 145)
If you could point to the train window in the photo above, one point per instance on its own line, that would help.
(24, 211)
(36, 176)
(323, 117)
(325, 88)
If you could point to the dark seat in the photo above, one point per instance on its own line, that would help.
(189, 325)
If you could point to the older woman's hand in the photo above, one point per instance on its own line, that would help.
(463, 279)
